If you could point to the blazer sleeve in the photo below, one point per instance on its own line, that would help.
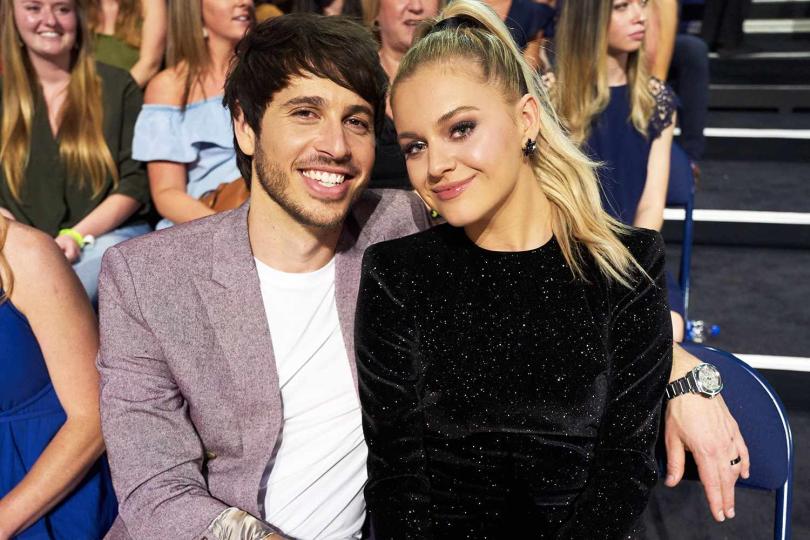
(154, 451)
(389, 373)
(640, 346)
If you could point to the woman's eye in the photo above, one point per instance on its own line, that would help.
(413, 148)
(462, 130)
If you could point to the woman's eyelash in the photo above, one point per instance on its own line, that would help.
(462, 129)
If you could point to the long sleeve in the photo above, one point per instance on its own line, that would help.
(154, 451)
(389, 372)
(640, 347)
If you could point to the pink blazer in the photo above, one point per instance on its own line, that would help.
(190, 402)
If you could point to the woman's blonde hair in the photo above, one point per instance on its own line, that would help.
(128, 22)
(581, 91)
(565, 174)
(82, 147)
(185, 46)
(6, 279)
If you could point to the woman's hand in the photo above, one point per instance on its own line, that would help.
(8, 215)
(69, 247)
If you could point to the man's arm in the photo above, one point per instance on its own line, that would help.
(154, 451)
(706, 428)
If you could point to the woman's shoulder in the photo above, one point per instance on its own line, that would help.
(167, 87)
(36, 262)
(666, 103)
(113, 77)
(645, 245)
(413, 250)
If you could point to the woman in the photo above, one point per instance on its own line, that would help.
(52, 483)
(184, 132)
(67, 125)
(131, 35)
(512, 362)
(530, 23)
(621, 116)
(394, 22)
(349, 8)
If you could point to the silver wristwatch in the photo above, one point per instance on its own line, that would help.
(704, 379)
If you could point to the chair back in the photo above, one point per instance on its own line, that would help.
(764, 425)
(681, 194)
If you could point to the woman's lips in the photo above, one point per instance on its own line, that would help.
(451, 191)
(637, 36)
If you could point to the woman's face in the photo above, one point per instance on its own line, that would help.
(227, 19)
(627, 25)
(398, 20)
(462, 141)
(48, 28)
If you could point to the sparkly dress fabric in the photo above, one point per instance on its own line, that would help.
(30, 416)
(502, 398)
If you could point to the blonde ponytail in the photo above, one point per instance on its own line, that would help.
(565, 174)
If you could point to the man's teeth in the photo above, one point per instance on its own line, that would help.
(325, 178)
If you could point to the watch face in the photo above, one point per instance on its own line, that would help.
(709, 379)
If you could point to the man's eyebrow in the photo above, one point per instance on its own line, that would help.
(442, 119)
(315, 101)
(354, 109)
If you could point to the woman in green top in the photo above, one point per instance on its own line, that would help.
(130, 34)
(66, 129)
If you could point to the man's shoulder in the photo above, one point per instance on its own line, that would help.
(180, 248)
(390, 213)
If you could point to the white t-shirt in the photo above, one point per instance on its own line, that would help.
(315, 489)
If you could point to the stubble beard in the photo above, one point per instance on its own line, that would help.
(275, 183)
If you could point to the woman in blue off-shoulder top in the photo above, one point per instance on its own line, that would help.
(184, 131)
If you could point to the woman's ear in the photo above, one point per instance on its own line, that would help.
(528, 111)
(245, 136)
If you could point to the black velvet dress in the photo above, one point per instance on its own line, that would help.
(502, 398)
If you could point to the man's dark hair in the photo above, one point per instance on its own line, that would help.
(301, 44)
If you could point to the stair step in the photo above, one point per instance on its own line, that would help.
(760, 71)
(779, 10)
(781, 98)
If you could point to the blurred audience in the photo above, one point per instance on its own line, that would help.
(130, 34)
(394, 23)
(349, 8)
(623, 117)
(722, 27)
(52, 482)
(530, 23)
(67, 126)
(683, 61)
(184, 132)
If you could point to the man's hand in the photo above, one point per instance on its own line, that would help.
(69, 247)
(706, 428)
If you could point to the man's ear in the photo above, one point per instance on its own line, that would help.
(245, 136)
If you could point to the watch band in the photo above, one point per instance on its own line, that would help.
(684, 385)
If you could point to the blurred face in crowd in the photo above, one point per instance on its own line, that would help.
(398, 20)
(48, 28)
(315, 151)
(227, 19)
(462, 140)
(628, 19)
(335, 7)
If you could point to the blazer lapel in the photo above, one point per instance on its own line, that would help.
(233, 300)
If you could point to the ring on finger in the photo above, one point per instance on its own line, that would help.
(736, 460)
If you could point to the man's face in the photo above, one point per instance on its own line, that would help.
(315, 151)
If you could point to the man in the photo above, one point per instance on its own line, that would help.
(229, 402)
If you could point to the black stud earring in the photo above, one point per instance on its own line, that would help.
(529, 148)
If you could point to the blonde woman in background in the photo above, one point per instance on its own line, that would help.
(65, 135)
(52, 482)
(184, 133)
(511, 362)
(131, 35)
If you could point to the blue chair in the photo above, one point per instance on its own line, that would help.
(764, 425)
(681, 194)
